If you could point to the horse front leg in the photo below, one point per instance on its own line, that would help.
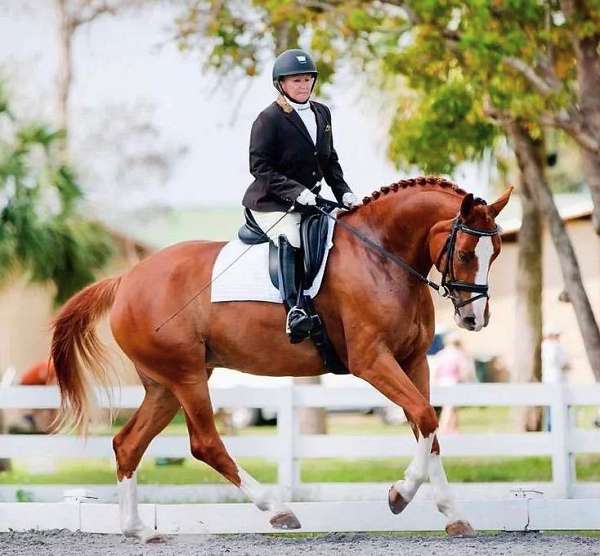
(382, 371)
(457, 525)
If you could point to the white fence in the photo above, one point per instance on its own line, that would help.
(510, 506)
(288, 447)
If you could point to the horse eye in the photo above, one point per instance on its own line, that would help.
(464, 256)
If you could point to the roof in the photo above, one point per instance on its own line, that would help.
(571, 206)
(162, 227)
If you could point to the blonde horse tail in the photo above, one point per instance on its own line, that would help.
(78, 355)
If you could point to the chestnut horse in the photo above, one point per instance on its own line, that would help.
(379, 317)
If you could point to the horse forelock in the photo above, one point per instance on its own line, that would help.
(435, 181)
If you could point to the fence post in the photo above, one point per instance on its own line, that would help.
(288, 474)
(561, 456)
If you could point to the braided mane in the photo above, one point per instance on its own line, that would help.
(412, 182)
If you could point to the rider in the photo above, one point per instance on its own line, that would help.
(291, 150)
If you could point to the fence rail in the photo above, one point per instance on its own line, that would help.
(288, 446)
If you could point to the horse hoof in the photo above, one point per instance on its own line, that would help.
(145, 536)
(460, 529)
(285, 520)
(395, 500)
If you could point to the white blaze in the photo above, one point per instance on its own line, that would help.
(483, 251)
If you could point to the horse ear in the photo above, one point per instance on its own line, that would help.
(467, 205)
(497, 206)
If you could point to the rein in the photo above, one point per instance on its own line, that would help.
(446, 287)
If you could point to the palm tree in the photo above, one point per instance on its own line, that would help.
(42, 233)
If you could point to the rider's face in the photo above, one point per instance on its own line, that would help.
(298, 87)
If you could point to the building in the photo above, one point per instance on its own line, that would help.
(26, 309)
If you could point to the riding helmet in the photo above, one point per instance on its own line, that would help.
(293, 62)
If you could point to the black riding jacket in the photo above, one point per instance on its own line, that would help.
(284, 160)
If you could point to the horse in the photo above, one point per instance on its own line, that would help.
(35, 420)
(378, 314)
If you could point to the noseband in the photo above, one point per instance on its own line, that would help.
(449, 283)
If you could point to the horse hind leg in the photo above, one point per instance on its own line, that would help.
(457, 525)
(156, 412)
(207, 446)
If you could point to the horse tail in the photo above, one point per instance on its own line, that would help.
(77, 352)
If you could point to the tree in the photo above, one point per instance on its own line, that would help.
(41, 232)
(467, 62)
(562, 64)
(122, 155)
(73, 15)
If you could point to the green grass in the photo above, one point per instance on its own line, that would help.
(467, 470)
(472, 420)
(471, 470)
(101, 471)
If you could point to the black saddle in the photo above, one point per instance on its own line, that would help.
(313, 236)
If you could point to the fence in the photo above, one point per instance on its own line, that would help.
(519, 507)
(288, 447)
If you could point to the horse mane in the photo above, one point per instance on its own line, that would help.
(435, 181)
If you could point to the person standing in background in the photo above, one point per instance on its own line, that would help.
(555, 364)
(453, 365)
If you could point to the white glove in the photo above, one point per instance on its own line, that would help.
(307, 197)
(350, 200)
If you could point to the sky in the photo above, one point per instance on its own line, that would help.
(129, 60)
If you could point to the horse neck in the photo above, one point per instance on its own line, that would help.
(402, 221)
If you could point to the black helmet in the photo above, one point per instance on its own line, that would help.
(293, 62)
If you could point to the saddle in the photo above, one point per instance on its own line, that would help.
(313, 237)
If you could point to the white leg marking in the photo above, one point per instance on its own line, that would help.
(131, 524)
(417, 471)
(483, 251)
(258, 494)
(441, 490)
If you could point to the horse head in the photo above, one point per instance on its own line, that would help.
(463, 250)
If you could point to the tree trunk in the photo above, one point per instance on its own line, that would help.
(529, 289)
(5, 463)
(313, 420)
(528, 313)
(65, 35)
(588, 86)
(591, 171)
(528, 154)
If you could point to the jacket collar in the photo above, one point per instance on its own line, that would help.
(295, 119)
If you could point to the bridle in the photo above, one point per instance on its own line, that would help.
(449, 285)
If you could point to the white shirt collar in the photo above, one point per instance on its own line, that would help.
(296, 106)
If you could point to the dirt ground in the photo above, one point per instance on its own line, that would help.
(63, 542)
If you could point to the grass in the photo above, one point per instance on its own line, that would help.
(467, 470)
(472, 420)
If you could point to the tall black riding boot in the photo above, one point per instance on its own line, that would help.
(298, 324)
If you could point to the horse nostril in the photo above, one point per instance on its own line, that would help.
(469, 321)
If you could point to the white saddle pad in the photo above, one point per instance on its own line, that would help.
(247, 279)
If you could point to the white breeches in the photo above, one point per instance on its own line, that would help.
(289, 226)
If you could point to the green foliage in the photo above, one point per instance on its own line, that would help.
(440, 48)
(444, 129)
(40, 231)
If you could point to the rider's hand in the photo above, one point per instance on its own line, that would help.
(350, 200)
(307, 198)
